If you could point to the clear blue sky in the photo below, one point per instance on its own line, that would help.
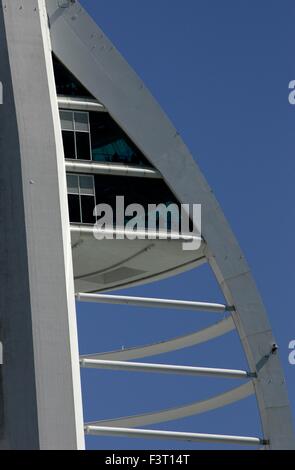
(220, 70)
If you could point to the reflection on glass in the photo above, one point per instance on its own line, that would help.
(87, 208)
(81, 121)
(81, 198)
(76, 134)
(86, 185)
(97, 136)
(141, 191)
(73, 184)
(68, 138)
(74, 208)
(66, 83)
(66, 120)
(111, 144)
(83, 146)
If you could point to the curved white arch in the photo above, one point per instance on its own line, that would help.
(172, 414)
(80, 44)
(213, 331)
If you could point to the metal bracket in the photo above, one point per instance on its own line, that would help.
(65, 3)
(264, 359)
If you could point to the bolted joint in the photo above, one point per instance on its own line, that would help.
(65, 3)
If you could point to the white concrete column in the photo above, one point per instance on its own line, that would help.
(40, 377)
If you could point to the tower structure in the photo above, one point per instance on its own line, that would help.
(78, 127)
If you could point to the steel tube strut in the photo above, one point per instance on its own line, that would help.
(164, 368)
(66, 103)
(119, 169)
(154, 303)
(180, 436)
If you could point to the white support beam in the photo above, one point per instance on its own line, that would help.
(40, 389)
(93, 60)
(164, 368)
(154, 303)
(179, 436)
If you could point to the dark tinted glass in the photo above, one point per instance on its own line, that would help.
(66, 82)
(69, 144)
(88, 205)
(135, 190)
(83, 146)
(111, 144)
(74, 208)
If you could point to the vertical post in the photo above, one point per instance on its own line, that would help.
(40, 378)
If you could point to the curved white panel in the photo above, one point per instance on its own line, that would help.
(102, 265)
(172, 414)
(174, 344)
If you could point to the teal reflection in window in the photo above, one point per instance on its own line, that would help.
(114, 152)
(110, 143)
(66, 83)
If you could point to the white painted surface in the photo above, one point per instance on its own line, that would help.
(84, 49)
(41, 380)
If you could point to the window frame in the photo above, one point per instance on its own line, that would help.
(80, 194)
(75, 131)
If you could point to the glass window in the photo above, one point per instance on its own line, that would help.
(66, 119)
(68, 138)
(87, 208)
(76, 134)
(86, 185)
(66, 83)
(109, 143)
(81, 121)
(85, 191)
(83, 146)
(96, 136)
(73, 184)
(74, 208)
(142, 191)
(81, 198)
